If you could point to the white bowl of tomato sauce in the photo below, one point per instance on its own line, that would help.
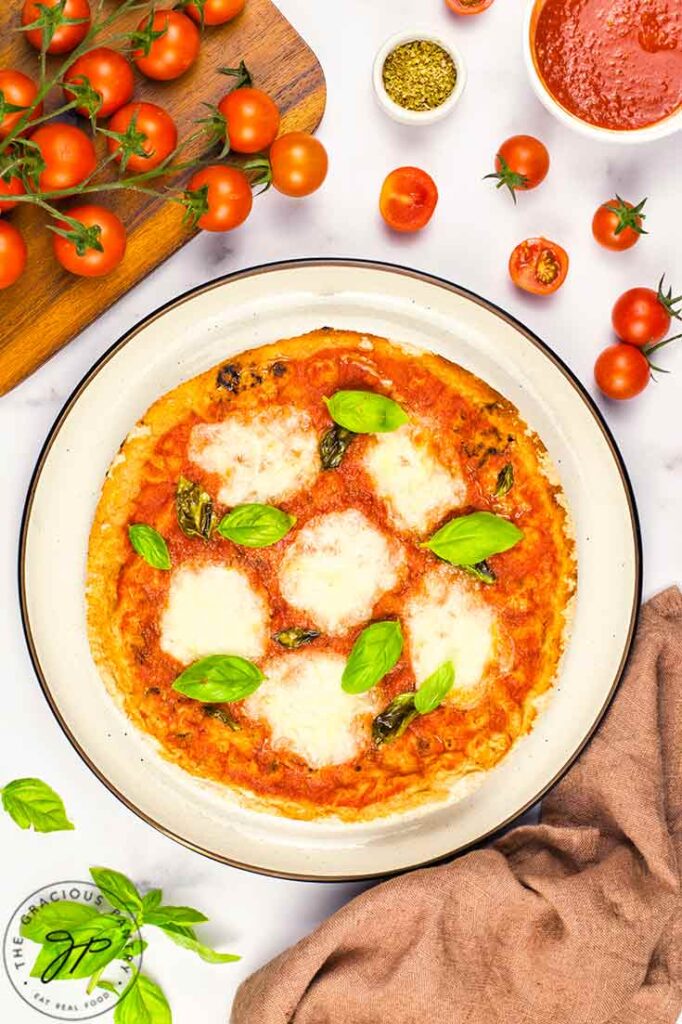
(610, 69)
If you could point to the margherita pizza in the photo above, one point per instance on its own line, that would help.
(332, 574)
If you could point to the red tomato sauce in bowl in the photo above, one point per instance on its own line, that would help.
(616, 64)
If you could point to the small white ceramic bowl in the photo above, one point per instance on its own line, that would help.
(417, 117)
(626, 137)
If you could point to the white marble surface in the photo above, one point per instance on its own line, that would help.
(468, 241)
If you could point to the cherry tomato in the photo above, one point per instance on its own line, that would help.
(68, 153)
(158, 127)
(66, 37)
(642, 316)
(408, 199)
(12, 186)
(172, 53)
(252, 119)
(622, 371)
(522, 162)
(468, 6)
(13, 254)
(229, 197)
(299, 164)
(19, 90)
(109, 74)
(538, 266)
(617, 224)
(92, 262)
(215, 12)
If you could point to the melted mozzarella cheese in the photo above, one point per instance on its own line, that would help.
(308, 713)
(337, 568)
(266, 458)
(213, 609)
(447, 621)
(416, 488)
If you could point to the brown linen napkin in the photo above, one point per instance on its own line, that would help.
(577, 919)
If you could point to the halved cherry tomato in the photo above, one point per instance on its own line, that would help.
(228, 195)
(468, 6)
(642, 316)
(9, 187)
(84, 260)
(622, 371)
(215, 12)
(68, 153)
(19, 90)
(617, 224)
(67, 36)
(538, 266)
(13, 254)
(157, 127)
(109, 74)
(170, 54)
(522, 162)
(408, 199)
(299, 164)
(252, 119)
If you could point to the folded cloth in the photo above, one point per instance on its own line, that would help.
(577, 920)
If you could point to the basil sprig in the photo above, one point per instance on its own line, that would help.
(219, 679)
(375, 652)
(150, 545)
(392, 722)
(194, 509)
(469, 540)
(31, 803)
(142, 1000)
(255, 526)
(365, 412)
(435, 689)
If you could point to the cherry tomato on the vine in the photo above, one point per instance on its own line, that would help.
(20, 91)
(157, 127)
(9, 187)
(538, 266)
(109, 74)
(69, 155)
(110, 242)
(13, 254)
(228, 195)
(617, 224)
(622, 371)
(215, 12)
(171, 47)
(522, 163)
(299, 164)
(252, 119)
(469, 6)
(408, 199)
(642, 316)
(67, 36)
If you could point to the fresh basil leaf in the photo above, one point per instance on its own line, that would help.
(108, 986)
(222, 715)
(255, 526)
(134, 948)
(481, 572)
(394, 719)
(82, 950)
(219, 679)
(468, 540)
(505, 481)
(333, 447)
(143, 1002)
(175, 915)
(63, 914)
(374, 653)
(32, 803)
(186, 938)
(150, 545)
(294, 637)
(194, 509)
(365, 412)
(435, 689)
(151, 900)
(118, 890)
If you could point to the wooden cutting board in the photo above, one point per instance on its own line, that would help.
(48, 306)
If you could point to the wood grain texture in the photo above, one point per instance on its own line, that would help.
(49, 306)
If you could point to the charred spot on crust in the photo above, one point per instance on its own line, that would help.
(229, 377)
(278, 369)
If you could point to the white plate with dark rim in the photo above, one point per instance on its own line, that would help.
(210, 324)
